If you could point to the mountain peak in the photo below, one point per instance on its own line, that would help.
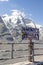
(17, 19)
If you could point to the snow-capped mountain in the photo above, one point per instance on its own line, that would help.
(13, 24)
(5, 36)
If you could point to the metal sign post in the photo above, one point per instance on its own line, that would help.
(30, 33)
(31, 51)
(12, 51)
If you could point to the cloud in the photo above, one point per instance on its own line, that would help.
(4, 0)
(17, 13)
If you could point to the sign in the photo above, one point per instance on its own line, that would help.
(29, 32)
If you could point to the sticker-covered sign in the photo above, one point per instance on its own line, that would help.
(29, 32)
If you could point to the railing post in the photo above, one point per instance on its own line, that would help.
(12, 51)
(33, 52)
(30, 51)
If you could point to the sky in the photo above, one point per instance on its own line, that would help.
(33, 8)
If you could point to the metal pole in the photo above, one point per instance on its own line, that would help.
(33, 52)
(30, 51)
(12, 51)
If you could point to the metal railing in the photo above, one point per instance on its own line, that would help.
(20, 51)
(37, 51)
